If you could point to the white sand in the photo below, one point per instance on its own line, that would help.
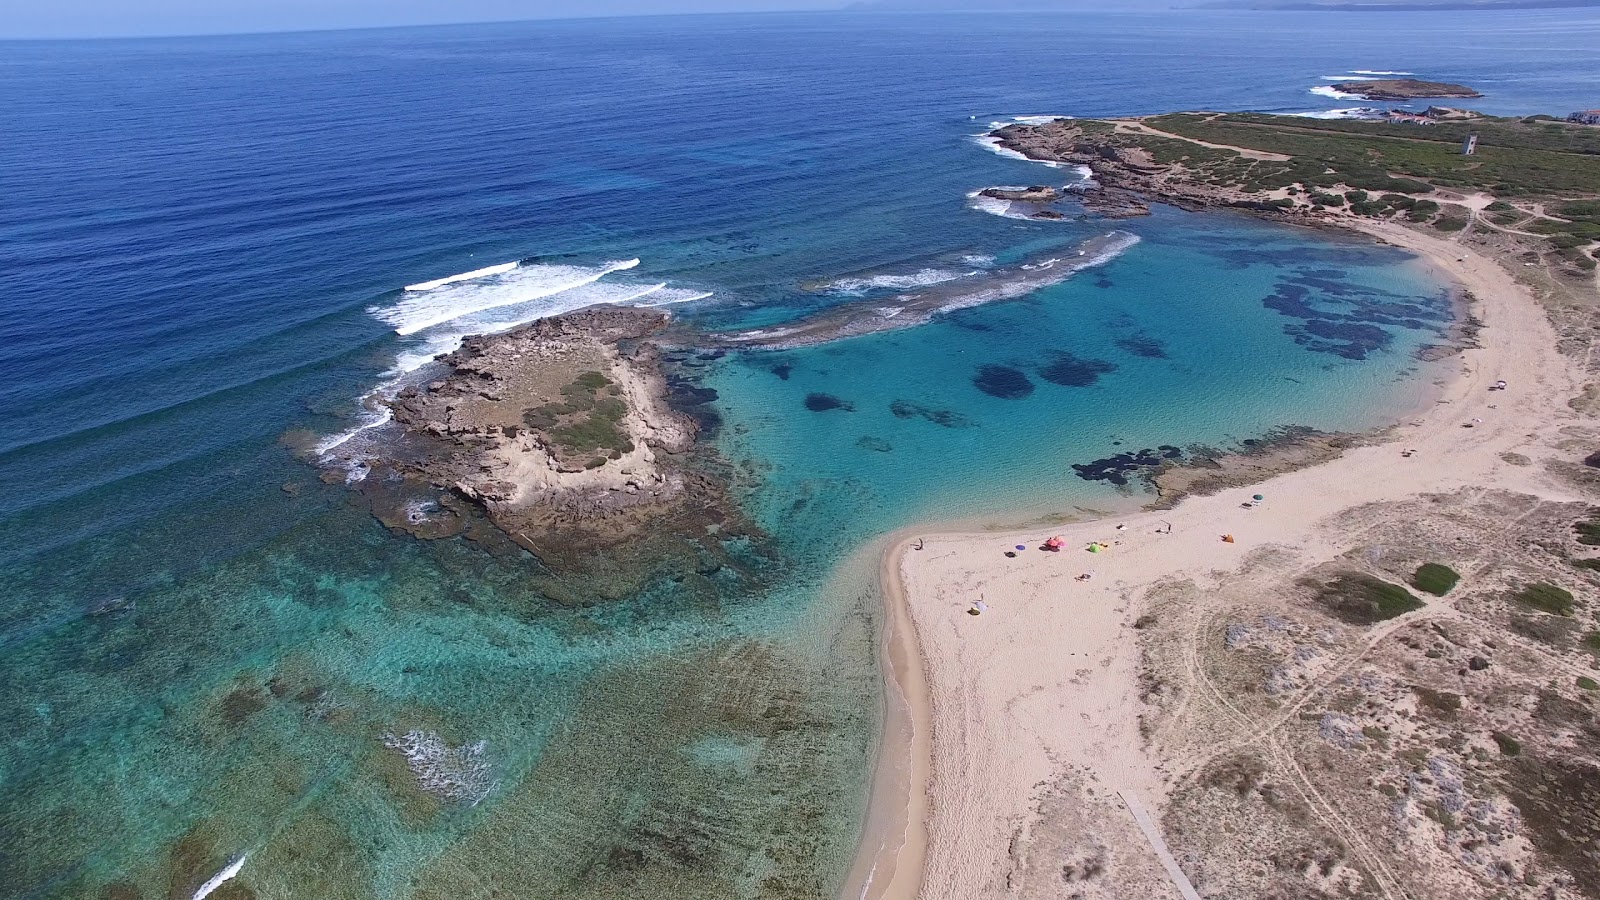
(1046, 679)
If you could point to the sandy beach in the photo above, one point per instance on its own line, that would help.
(1025, 720)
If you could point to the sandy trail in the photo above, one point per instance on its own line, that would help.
(1046, 679)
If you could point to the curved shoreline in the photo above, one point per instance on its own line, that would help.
(1524, 349)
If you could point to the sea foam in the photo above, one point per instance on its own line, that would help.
(1328, 90)
(417, 310)
(221, 878)
(436, 317)
(464, 276)
(858, 285)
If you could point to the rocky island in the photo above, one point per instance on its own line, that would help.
(1402, 89)
(560, 437)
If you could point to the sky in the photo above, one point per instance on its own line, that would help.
(129, 18)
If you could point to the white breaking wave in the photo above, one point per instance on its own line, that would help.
(1328, 90)
(438, 320)
(992, 144)
(447, 336)
(1353, 112)
(1124, 242)
(1377, 72)
(464, 276)
(923, 278)
(420, 310)
(672, 297)
(995, 207)
(221, 878)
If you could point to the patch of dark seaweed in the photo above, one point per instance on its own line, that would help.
(1074, 371)
(905, 409)
(782, 370)
(1116, 469)
(1003, 382)
(875, 444)
(1350, 340)
(824, 402)
(694, 401)
(1143, 345)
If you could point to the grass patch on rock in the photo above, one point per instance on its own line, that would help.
(1362, 599)
(1435, 579)
(1547, 598)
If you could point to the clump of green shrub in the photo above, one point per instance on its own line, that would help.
(1322, 199)
(1509, 746)
(1435, 579)
(1547, 598)
(1423, 210)
(1588, 684)
(1450, 223)
(1361, 599)
(1588, 531)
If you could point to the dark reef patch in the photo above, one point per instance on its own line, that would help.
(825, 402)
(782, 370)
(1117, 469)
(905, 409)
(694, 401)
(1143, 345)
(1003, 382)
(1347, 319)
(1102, 282)
(1074, 371)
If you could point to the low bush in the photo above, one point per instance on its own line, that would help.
(1450, 223)
(1588, 532)
(1547, 598)
(1509, 746)
(1435, 579)
(1588, 684)
(1361, 599)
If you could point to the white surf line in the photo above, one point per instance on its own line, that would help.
(464, 276)
(442, 316)
(1158, 844)
(221, 878)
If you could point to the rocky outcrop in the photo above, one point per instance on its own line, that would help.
(561, 437)
(1035, 194)
(1403, 89)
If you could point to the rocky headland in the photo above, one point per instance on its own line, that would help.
(563, 438)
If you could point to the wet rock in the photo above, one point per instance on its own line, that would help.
(1117, 469)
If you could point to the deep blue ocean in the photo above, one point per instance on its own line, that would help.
(213, 663)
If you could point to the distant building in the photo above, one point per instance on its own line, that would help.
(1470, 145)
(1401, 117)
(1585, 117)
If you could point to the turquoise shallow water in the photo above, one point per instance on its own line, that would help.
(209, 656)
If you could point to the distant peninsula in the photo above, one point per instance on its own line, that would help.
(1403, 89)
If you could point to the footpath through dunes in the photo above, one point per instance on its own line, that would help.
(871, 315)
(1291, 747)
